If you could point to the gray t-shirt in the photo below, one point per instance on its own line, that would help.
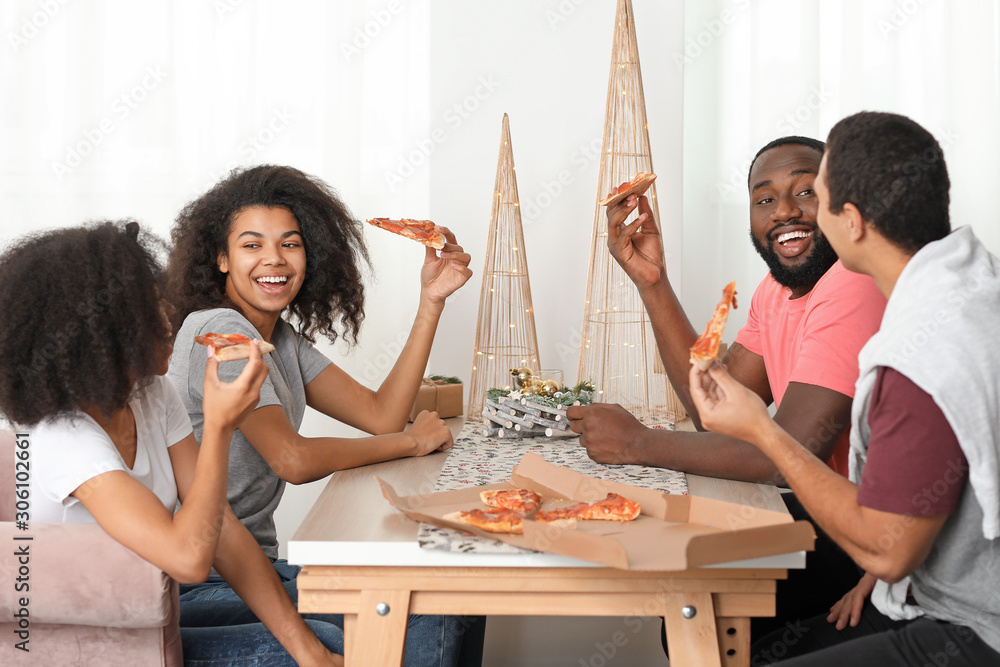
(254, 488)
(958, 582)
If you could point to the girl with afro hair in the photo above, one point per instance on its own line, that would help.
(273, 253)
(84, 343)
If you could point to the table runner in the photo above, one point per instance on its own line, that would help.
(477, 459)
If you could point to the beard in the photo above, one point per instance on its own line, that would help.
(806, 274)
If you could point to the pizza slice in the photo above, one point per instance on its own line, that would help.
(497, 520)
(230, 347)
(422, 231)
(612, 508)
(706, 348)
(638, 185)
(518, 500)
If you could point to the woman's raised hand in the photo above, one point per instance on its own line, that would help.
(228, 403)
(442, 274)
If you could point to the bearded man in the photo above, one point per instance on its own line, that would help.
(808, 319)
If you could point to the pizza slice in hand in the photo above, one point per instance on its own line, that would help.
(421, 231)
(638, 185)
(706, 348)
(230, 347)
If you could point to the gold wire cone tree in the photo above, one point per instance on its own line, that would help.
(505, 331)
(617, 350)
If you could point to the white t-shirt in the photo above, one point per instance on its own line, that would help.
(68, 451)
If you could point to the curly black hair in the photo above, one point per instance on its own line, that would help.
(893, 170)
(332, 294)
(82, 322)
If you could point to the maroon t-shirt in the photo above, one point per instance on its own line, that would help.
(915, 464)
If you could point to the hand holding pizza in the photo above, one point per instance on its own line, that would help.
(726, 406)
(430, 434)
(226, 404)
(443, 274)
(638, 251)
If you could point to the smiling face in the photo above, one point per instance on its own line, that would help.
(264, 263)
(783, 209)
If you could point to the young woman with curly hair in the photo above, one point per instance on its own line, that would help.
(273, 253)
(84, 341)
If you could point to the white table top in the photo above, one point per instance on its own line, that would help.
(352, 524)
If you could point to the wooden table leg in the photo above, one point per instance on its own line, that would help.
(691, 637)
(350, 628)
(734, 641)
(379, 633)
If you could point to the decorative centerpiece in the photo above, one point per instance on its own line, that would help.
(532, 407)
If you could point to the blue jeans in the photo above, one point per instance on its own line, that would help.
(217, 628)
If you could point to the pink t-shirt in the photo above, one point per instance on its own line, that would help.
(814, 339)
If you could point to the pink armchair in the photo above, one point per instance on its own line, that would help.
(91, 601)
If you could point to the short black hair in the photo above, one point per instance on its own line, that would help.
(81, 323)
(894, 171)
(809, 142)
(332, 294)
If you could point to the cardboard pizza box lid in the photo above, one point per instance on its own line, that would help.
(672, 533)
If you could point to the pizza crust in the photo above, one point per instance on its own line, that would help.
(241, 351)
(230, 347)
(637, 186)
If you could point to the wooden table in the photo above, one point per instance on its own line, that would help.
(360, 558)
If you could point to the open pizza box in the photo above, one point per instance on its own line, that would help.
(672, 533)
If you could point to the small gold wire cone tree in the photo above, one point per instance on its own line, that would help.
(505, 331)
(617, 349)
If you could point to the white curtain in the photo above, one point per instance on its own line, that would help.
(122, 108)
(756, 70)
(131, 109)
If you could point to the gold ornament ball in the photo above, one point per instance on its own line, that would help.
(522, 377)
(536, 385)
(548, 388)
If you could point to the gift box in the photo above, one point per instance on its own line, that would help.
(440, 394)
